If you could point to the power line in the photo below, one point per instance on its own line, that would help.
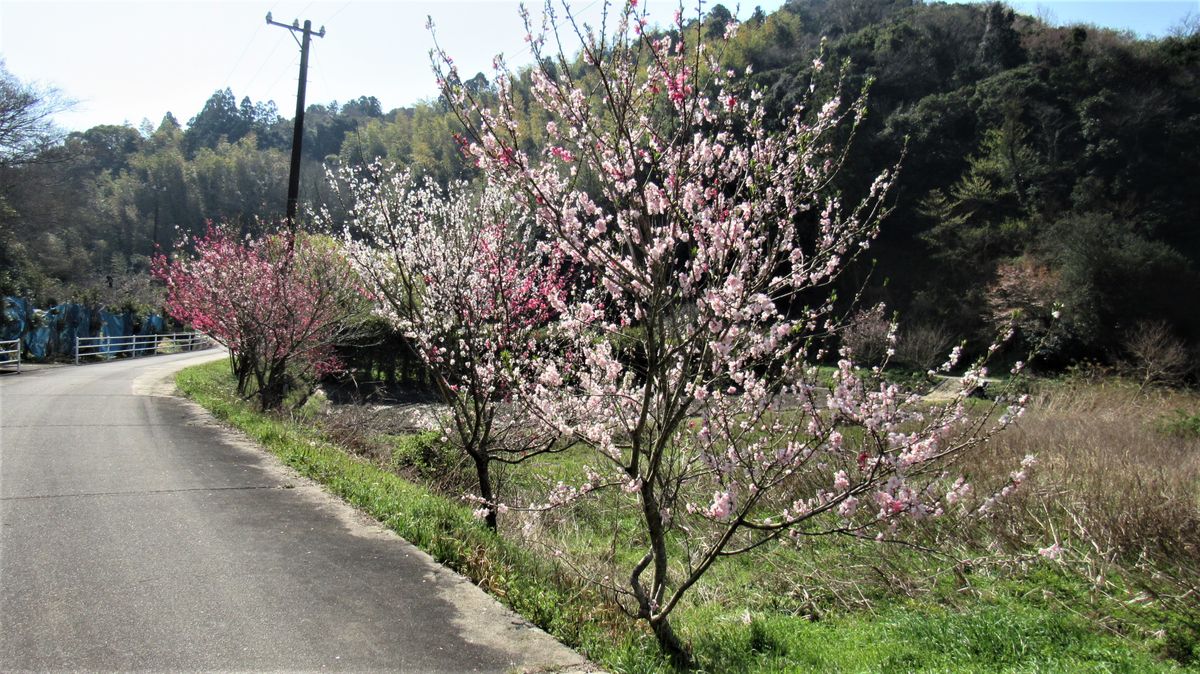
(254, 77)
(242, 55)
(340, 10)
(282, 73)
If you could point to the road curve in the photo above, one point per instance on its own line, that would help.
(138, 534)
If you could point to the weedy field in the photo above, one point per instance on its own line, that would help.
(1093, 565)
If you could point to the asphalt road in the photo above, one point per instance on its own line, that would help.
(138, 534)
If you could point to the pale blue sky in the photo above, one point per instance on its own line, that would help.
(1146, 18)
(125, 61)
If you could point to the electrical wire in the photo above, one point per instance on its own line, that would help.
(267, 60)
(241, 56)
(340, 10)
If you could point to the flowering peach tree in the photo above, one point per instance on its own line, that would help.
(711, 236)
(279, 303)
(458, 272)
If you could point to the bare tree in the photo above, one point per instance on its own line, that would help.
(26, 125)
(1158, 356)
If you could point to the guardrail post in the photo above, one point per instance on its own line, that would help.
(76, 349)
(18, 354)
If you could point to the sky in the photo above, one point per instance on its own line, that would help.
(122, 62)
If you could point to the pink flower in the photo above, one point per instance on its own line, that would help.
(721, 507)
(835, 441)
(562, 154)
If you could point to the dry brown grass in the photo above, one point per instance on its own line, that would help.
(1116, 492)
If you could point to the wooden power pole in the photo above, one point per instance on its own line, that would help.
(298, 123)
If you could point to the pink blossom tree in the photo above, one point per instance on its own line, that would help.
(713, 235)
(279, 304)
(458, 272)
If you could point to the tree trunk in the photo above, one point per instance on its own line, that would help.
(270, 397)
(670, 644)
(667, 640)
(482, 466)
(273, 388)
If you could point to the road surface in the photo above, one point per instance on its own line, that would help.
(137, 534)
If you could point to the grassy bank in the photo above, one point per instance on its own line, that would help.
(836, 605)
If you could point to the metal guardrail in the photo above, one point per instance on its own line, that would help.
(10, 350)
(140, 345)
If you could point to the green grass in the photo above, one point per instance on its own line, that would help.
(1038, 619)
(746, 614)
(1182, 424)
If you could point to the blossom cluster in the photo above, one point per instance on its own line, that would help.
(277, 302)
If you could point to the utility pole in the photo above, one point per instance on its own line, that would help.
(298, 123)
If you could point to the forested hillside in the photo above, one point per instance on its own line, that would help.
(1039, 165)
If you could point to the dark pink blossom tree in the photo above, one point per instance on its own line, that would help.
(713, 235)
(279, 304)
(458, 272)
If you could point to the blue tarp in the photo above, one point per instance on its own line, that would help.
(52, 332)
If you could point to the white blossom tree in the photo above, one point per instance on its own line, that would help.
(458, 272)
